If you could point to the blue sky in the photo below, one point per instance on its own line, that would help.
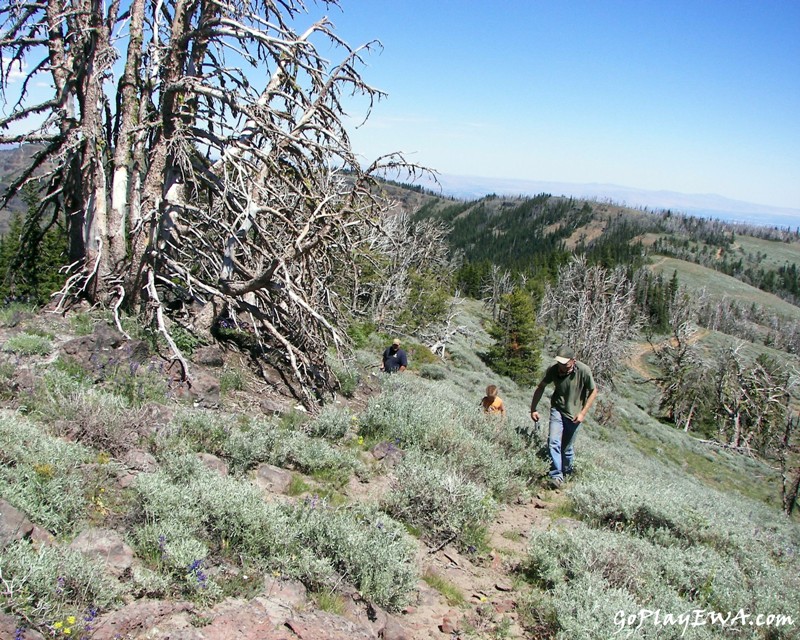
(697, 97)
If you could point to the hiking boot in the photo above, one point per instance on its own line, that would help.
(556, 482)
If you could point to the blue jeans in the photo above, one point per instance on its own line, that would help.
(560, 441)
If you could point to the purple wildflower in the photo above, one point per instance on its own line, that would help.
(197, 569)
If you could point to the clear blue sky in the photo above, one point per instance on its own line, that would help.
(694, 97)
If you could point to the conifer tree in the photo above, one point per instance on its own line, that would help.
(30, 271)
(517, 339)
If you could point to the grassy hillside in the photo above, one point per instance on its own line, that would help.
(453, 523)
(696, 277)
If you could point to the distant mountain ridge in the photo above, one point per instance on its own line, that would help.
(700, 205)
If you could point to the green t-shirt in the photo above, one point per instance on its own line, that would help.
(570, 391)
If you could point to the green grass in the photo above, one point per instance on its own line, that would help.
(28, 344)
(451, 593)
(330, 602)
(231, 380)
(773, 254)
(297, 486)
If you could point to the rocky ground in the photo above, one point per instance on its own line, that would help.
(281, 609)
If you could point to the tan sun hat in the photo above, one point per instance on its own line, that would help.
(564, 355)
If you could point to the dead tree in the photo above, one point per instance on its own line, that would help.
(789, 456)
(395, 248)
(682, 382)
(594, 309)
(684, 374)
(751, 399)
(214, 172)
(497, 284)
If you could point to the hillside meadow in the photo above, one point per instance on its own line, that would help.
(696, 277)
(457, 532)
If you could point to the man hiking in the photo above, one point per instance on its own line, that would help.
(573, 396)
(394, 358)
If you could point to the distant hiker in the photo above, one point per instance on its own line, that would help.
(492, 403)
(394, 358)
(572, 397)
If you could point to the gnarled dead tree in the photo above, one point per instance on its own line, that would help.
(403, 280)
(594, 309)
(684, 375)
(196, 152)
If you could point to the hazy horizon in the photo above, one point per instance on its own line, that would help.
(702, 205)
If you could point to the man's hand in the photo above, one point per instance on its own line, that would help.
(534, 415)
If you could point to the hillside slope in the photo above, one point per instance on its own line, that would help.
(719, 285)
(537, 235)
(149, 510)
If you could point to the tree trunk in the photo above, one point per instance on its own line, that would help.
(127, 121)
(790, 491)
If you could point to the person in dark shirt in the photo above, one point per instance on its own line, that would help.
(574, 394)
(394, 358)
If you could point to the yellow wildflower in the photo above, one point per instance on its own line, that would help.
(71, 620)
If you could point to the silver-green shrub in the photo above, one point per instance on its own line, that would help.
(265, 442)
(49, 584)
(434, 418)
(95, 418)
(196, 430)
(332, 423)
(26, 344)
(188, 510)
(439, 501)
(42, 475)
(669, 544)
(364, 544)
(644, 507)
(248, 447)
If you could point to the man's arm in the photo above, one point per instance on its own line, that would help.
(589, 402)
(537, 395)
(403, 361)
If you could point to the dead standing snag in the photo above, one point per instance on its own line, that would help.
(217, 172)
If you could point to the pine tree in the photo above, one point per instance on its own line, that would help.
(517, 339)
(29, 271)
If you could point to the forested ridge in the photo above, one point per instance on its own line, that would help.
(537, 235)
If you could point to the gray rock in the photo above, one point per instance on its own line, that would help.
(214, 463)
(272, 479)
(14, 525)
(209, 356)
(140, 461)
(321, 625)
(105, 545)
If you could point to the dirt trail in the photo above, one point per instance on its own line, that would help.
(487, 581)
(636, 359)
